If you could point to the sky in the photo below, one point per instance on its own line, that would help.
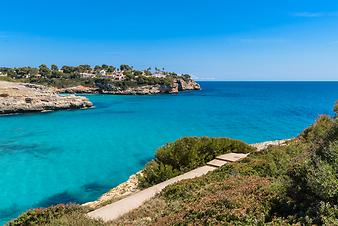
(231, 40)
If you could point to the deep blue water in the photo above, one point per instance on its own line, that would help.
(75, 156)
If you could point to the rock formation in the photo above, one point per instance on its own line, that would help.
(187, 85)
(23, 97)
(78, 89)
(178, 85)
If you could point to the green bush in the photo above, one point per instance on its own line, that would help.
(314, 178)
(186, 154)
(319, 131)
(55, 215)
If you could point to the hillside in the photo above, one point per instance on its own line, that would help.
(104, 79)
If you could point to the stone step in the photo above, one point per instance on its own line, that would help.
(231, 157)
(216, 163)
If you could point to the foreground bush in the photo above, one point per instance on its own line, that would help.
(186, 154)
(55, 215)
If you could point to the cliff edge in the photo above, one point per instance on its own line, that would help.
(24, 97)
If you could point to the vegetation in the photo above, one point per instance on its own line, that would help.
(101, 76)
(186, 154)
(292, 184)
(56, 215)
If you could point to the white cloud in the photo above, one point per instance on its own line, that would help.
(315, 14)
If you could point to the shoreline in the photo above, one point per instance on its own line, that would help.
(130, 186)
(44, 111)
(19, 98)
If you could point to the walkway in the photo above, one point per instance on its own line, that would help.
(123, 206)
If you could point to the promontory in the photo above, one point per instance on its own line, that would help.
(25, 97)
(103, 79)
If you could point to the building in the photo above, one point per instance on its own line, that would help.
(118, 76)
(159, 75)
(101, 73)
(87, 75)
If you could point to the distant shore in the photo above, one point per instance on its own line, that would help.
(131, 185)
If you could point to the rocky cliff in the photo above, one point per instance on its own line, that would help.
(178, 85)
(78, 89)
(23, 97)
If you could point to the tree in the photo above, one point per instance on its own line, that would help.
(97, 68)
(10, 72)
(54, 67)
(104, 66)
(25, 71)
(111, 69)
(84, 68)
(44, 71)
(125, 67)
(68, 69)
(138, 73)
(186, 77)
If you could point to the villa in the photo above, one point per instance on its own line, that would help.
(101, 73)
(159, 75)
(87, 75)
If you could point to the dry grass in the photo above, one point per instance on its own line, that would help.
(217, 203)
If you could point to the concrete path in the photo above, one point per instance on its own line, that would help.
(123, 206)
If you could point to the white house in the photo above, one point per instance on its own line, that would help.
(102, 73)
(119, 76)
(87, 75)
(159, 75)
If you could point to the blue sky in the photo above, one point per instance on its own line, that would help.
(213, 40)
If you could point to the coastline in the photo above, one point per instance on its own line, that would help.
(178, 85)
(130, 186)
(29, 98)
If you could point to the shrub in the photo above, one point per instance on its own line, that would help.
(272, 162)
(314, 179)
(186, 154)
(319, 131)
(55, 215)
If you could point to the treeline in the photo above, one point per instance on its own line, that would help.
(74, 71)
(54, 71)
(107, 76)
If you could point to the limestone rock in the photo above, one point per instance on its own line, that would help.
(23, 97)
(78, 89)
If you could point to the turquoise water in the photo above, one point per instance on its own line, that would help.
(75, 156)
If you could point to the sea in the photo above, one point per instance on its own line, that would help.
(75, 156)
